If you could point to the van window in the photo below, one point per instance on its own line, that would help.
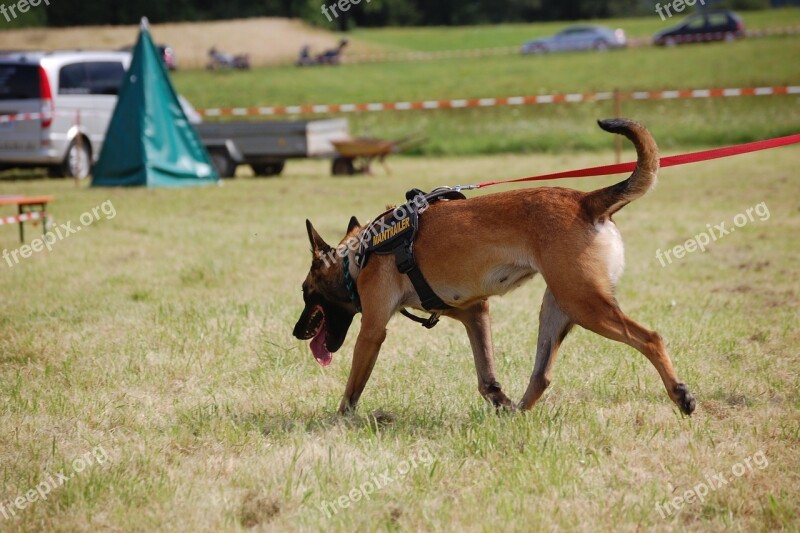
(98, 77)
(19, 82)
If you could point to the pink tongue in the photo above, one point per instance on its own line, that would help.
(321, 354)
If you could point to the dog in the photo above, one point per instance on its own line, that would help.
(504, 239)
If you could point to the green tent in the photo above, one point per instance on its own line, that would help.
(149, 140)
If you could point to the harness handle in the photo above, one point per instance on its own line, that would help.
(426, 322)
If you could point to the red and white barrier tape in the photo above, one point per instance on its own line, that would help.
(468, 102)
(24, 217)
(427, 56)
(494, 102)
(702, 37)
(769, 32)
(72, 115)
(19, 117)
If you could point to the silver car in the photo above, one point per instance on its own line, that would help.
(71, 95)
(578, 38)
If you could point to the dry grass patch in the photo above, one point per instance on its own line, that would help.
(268, 40)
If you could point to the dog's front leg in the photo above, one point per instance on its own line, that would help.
(477, 321)
(368, 345)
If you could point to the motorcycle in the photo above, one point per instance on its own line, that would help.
(331, 56)
(219, 60)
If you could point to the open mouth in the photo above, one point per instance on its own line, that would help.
(318, 332)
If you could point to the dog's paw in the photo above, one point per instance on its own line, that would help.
(502, 403)
(346, 409)
(509, 409)
(494, 393)
(685, 399)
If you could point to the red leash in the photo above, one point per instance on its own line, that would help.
(669, 161)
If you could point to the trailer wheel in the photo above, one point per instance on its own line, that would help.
(343, 166)
(268, 169)
(226, 167)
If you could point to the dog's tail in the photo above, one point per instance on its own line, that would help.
(605, 202)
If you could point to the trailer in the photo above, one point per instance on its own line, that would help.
(266, 146)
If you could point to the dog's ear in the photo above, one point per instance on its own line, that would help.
(353, 224)
(317, 244)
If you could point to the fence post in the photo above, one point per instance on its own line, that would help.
(78, 147)
(617, 114)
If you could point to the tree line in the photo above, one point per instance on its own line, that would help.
(361, 13)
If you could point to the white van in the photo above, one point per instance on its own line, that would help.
(72, 93)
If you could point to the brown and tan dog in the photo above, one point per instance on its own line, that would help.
(504, 240)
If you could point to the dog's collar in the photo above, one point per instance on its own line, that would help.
(350, 284)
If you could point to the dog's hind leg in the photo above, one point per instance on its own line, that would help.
(601, 314)
(477, 322)
(554, 325)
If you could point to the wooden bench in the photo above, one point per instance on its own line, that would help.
(28, 208)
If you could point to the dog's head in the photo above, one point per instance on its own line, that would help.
(328, 310)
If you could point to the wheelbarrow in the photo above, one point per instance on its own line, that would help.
(355, 155)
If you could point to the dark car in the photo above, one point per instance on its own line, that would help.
(703, 27)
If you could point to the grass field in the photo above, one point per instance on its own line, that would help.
(433, 39)
(552, 128)
(163, 335)
(747, 62)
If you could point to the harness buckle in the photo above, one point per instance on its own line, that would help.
(432, 321)
(404, 259)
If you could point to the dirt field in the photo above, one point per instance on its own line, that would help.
(267, 40)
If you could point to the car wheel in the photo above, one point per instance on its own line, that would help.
(78, 159)
(600, 45)
(226, 167)
(729, 37)
(670, 42)
(268, 169)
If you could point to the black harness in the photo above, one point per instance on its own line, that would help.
(394, 232)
